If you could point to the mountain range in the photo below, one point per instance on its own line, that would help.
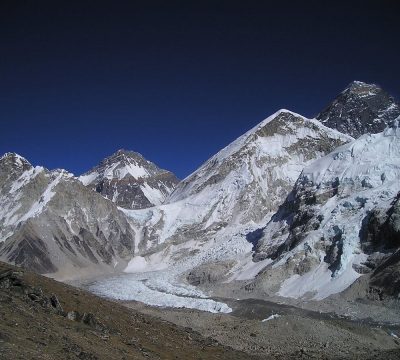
(295, 207)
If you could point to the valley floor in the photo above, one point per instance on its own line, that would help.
(43, 319)
(276, 331)
(335, 328)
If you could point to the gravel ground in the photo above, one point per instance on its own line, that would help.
(343, 326)
(294, 333)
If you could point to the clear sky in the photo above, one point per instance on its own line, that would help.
(177, 80)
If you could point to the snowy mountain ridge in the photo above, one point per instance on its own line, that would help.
(51, 223)
(275, 137)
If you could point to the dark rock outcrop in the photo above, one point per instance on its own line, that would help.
(361, 108)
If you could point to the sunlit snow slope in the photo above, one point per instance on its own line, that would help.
(322, 238)
(206, 217)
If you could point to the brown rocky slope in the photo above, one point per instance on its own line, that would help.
(44, 319)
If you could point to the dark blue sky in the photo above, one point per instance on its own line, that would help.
(177, 80)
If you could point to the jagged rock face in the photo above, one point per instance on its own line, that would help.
(238, 188)
(380, 238)
(385, 280)
(340, 219)
(51, 223)
(14, 161)
(130, 181)
(361, 108)
(381, 228)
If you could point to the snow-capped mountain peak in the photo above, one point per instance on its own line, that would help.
(359, 109)
(361, 86)
(119, 165)
(12, 166)
(15, 160)
(129, 180)
(273, 140)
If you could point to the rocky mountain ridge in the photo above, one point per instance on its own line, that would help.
(50, 222)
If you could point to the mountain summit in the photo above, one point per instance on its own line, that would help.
(130, 181)
(359, 109)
